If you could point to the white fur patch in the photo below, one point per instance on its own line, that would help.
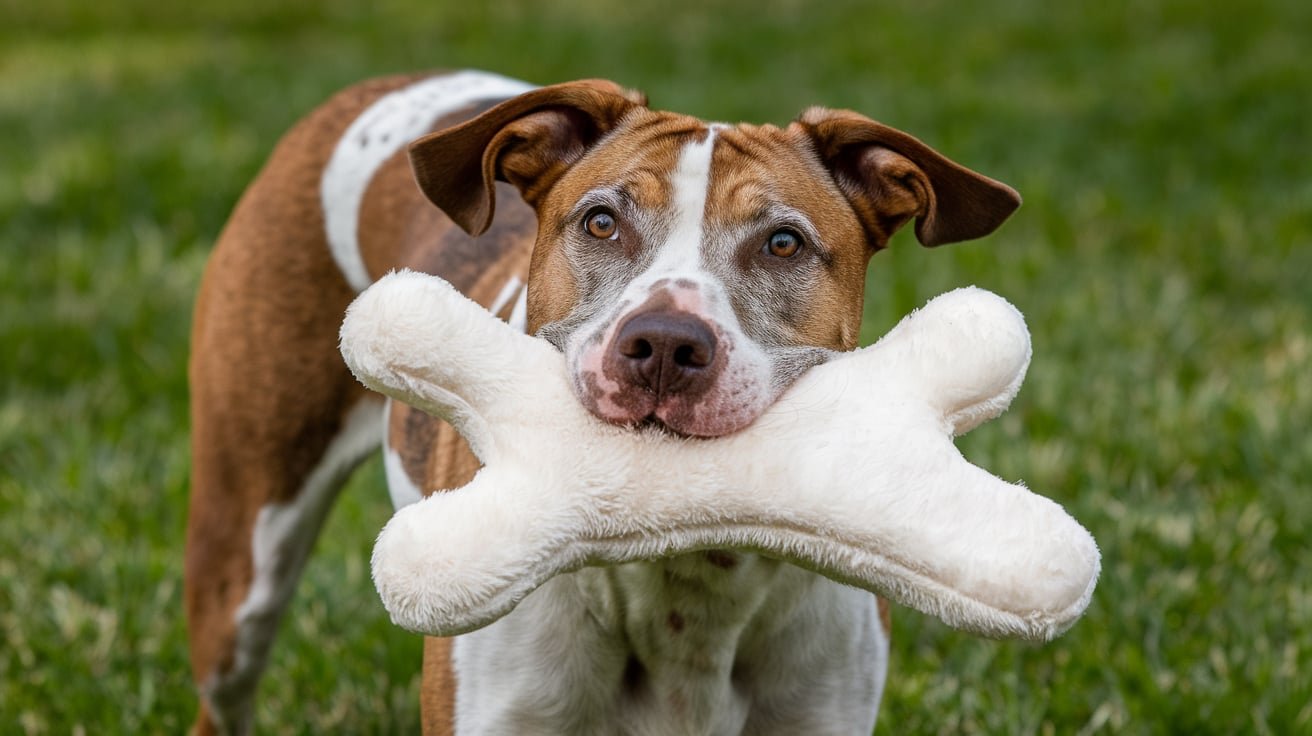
(280, 543)
(513, 289)
(400, 487)
(391, 122)
(519, 315)
(508, 292)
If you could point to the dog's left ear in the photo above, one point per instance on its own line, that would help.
(528, 141)
(890, 177)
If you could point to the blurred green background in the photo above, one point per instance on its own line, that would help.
(1162, 259)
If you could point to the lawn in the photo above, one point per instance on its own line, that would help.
(1163, 259)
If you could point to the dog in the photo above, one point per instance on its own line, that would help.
(689, 272)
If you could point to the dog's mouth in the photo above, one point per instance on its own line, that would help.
(719, 414)
(728, 404)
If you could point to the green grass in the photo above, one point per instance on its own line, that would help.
(1163, 260)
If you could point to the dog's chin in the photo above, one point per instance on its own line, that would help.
(654, 425)
(651, 424)
(679, 418)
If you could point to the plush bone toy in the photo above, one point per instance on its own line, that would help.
(852, 473)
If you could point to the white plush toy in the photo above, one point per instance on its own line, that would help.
(870, 492)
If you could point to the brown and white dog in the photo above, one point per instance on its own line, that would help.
(689, 272)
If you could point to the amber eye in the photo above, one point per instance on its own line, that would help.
(784, 244)
(600, 224)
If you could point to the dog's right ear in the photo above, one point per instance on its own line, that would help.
(890, 177)
(528, 141)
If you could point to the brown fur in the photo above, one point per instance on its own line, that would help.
(437, 690)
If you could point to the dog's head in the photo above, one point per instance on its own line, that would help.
(692, 271)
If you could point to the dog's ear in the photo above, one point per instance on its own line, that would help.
(528, 141)
(890, 177)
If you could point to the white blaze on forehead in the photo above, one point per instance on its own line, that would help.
(690, 182)
(382, 129)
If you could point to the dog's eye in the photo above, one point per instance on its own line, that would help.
(783, 244)
(600, 223)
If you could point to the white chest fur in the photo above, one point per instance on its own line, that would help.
(697, 644)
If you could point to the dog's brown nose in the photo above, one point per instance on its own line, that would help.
(666, 352)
